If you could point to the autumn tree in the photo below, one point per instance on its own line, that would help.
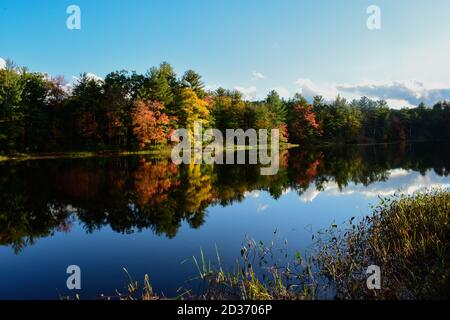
(127, 110)
(193, 109)
(150, 123)
(116, 106)
(304, 126)
(82, 109)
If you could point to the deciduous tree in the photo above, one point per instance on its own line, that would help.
(151, 124)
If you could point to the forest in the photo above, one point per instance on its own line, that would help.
(131, 111)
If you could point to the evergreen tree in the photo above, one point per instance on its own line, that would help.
(11, 112)
(193, 81)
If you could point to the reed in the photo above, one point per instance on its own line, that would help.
(407, 236)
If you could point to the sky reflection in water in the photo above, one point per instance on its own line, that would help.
(149, 215)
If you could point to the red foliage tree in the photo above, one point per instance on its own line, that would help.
(154, 181)
(304, 125)
(284, 132)
(150, 123)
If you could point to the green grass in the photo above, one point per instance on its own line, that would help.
(244, 282)
(162, 151)
(257, 275)
(407, 236)
(156, 151)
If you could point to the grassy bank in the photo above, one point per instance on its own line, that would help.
(408, 237)
(157, 151)
(160, 150)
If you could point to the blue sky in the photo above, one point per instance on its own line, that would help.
(313, 47)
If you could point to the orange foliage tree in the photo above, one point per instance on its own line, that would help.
(153, 182)
(150, 123)
(304, 125)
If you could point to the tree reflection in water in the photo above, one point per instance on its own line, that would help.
(129, 194)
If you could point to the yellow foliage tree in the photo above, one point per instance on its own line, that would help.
(193, 109)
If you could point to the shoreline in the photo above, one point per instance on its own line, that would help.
(166, 150)
(157, 151)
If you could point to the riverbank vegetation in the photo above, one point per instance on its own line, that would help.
(133, 112)
(407, 236)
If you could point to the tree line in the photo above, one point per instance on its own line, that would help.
(131, 111)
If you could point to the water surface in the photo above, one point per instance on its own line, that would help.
(149, 215)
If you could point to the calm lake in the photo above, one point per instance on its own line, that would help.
(149, 215)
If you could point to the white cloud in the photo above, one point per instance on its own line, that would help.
(89, 76)
(309, 89)
(70, 85)
(258, 75)
(399, 103)
(2, 64)
(212, 87)
(262, 207)
(287, 191)
(410, 91)
(398, 94)
(398, 173)
(309, 195)
(248, 93)
(254, 194)
(67, 87)
(283, 92)
(408, 182)
(93, 76)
